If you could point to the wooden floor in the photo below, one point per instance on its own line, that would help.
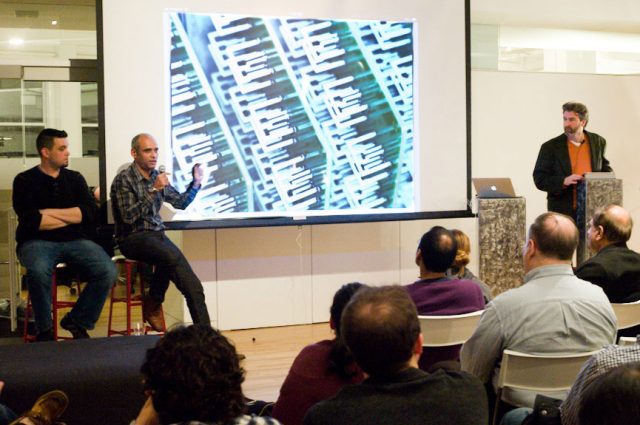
(269, 352)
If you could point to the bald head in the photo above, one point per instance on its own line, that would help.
(135, 142)
(614, 222)
(555, 235)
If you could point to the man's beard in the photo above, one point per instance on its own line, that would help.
(569, 130)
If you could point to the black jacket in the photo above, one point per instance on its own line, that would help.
(616, 269)
(553, 165)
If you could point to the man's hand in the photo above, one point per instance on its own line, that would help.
(55, 218)
(197, 175)
(161, 181)
(147, 415)
(572, 179)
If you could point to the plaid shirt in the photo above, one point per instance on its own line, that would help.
(136, 207)
(608, 358)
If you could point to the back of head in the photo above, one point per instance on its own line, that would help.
(340, 359)
(194, 375)
(464, 249)
(46, 136)
(380, 326)
(438, 249)
(616, 223)
(340, 300)
(612, 398)
(579, 108)
(555, 235)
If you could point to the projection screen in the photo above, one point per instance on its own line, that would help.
(320, 112)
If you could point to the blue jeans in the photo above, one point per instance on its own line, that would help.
(84, 256)
(516, 416)
(6, 415)
(155, 248)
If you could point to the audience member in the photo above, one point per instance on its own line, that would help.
(606, 359)
(436, 294)
(615, 268)
(45, 411)
(381, 329)
(193, 376)
(459, 270)
(137, 194)
(55, 220)
(320, 370)
(552, 312)
(612, 398)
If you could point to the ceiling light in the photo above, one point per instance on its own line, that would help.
(15, 41)
(54, 22)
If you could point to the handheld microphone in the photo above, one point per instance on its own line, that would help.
(161, 169)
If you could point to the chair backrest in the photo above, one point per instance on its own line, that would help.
(627, 340)
(538, 373)
(628, 314)
(443, 331)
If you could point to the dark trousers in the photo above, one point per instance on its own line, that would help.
(170, 264)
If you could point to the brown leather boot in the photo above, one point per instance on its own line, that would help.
(46, 409)
(152, 313)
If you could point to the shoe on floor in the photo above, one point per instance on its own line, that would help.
(47, 335)
(68, 324)
(152, 313)
(46, 410)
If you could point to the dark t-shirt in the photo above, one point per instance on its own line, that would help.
(410, 397)
(34, 190)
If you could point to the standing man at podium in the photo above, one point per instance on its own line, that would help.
(563, 160)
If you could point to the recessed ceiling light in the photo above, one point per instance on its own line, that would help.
(15, 41)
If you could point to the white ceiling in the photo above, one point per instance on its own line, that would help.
(592, 15)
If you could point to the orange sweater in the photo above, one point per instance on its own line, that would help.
(580, 157)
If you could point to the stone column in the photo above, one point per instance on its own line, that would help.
(501, 228)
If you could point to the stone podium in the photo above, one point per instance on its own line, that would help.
(596, 190)
(502, 230)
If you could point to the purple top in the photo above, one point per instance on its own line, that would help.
(444, 297)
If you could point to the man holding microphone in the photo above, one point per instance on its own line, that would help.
(137, 194)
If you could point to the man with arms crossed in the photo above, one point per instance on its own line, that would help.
(137, 194)
(55, 217)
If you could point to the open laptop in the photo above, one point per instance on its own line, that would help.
(494, 187)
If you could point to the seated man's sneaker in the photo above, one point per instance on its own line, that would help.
(46, 410)
(68, 324)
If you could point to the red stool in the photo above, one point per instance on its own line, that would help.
(56, 305)
(128, 298)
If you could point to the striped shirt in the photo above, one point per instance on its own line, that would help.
(136, 207)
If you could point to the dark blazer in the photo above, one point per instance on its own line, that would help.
(616, 269)
(553, 165)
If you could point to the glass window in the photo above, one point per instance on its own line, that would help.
(13, 142)
(89, 141)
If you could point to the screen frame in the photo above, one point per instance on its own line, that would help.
(301, 219)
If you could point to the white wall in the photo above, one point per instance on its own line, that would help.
(514, 113)
(287, 275)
